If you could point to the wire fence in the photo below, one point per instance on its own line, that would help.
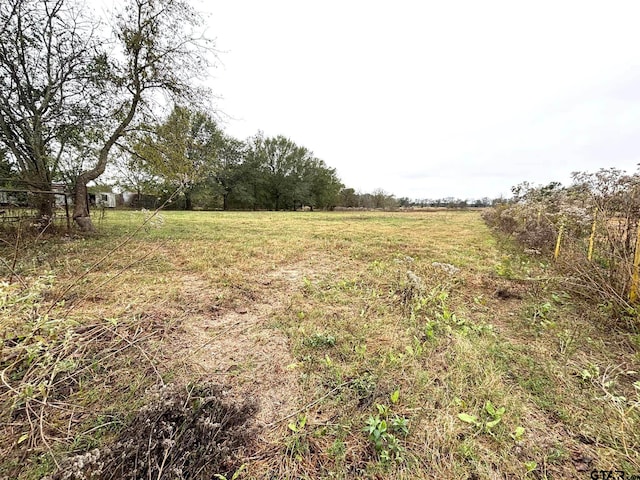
(22, 207)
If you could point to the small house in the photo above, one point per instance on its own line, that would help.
(103, 199)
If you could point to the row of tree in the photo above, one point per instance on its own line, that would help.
(349, 198)
(212, 169)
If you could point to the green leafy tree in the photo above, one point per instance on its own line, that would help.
(325, 186)
(291, 175)
(278, 157)
(348, 198)
(231, 172)
(182, 151)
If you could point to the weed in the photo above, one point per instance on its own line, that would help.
(382, 431)
(364, 387)
(530, 466)
(504, 268)
(235, 475)
(320, 340)
(517, 434)
(297, 443)
(298, 425)
(540, 313)
(590, 373)
(417, 348)
(430, 329)
(487, 424)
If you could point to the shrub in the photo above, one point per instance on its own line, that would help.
(597, 218)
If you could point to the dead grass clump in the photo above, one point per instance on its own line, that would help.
(411, 289)
(57, 374)
(183, 432)
(47, 365)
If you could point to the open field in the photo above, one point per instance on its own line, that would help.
(365, 358)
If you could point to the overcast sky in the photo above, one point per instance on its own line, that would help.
(428, 99)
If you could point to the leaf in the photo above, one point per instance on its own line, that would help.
(491, 410)
(382, 426)
(517, 434)
(236, 475)
(293, 427)
(383, 409)
(384, 456)
(465, 417)
(372, 423)
(493, 423)
(400, 424)
(23, 437)
(395, 396)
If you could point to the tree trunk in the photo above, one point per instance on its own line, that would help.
(225, 201)
(188, 204)
(44, 204)
(81, 206)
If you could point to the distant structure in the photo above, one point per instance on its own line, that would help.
(104, 199)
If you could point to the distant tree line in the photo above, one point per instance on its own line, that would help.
(191, 153)
(379, 199)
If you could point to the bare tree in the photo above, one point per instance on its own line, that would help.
(46, 59)
(160, 53)
(67, 92)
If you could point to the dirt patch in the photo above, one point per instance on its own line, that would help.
(238, 344)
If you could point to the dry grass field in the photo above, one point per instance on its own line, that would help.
(373, 345)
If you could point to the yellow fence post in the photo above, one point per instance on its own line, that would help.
(633, 292)
(557, 252)
(539, 215)
(593, 234)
